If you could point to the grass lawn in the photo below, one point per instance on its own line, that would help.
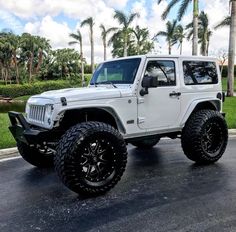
(6, 139)
(230, 109)
(224, 84)
(23, 98)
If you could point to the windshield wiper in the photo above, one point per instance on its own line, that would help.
(105, 82)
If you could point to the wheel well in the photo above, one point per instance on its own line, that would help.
(208, 105)
(75, 116)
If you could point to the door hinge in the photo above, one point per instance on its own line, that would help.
(141, 120)
(140, 100)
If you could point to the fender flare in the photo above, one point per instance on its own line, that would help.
(215, 103)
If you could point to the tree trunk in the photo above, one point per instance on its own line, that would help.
(125, 44)
(82, 63)
(30, 66)
(92, 50)
(195, 28)
(16, 66)
(169, 47)
(181, 48)
(207, 48)
(40, 61)
(105, 49)
(230, 84)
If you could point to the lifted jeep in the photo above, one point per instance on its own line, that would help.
(83, 132)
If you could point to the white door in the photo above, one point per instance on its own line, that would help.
(160, 108)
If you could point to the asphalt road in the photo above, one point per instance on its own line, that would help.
(160, 191)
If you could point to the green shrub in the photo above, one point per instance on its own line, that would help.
(14, 90)
(225, 71)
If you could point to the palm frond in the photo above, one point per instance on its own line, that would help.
(121, 17)
(132, 17)
(161, 33)
(169, 7)
(183, 8)
(73, 42)
(87, 22)
(225, 22)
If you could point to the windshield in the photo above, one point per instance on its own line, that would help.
(116, 72)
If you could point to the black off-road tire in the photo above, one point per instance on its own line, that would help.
(146, 143)
(205, 136)
(91, 158)
(35, 156)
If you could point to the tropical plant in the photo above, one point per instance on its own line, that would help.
(43, 48)
(225, 22)
(232, 39)
(65, 63)
(179, 37)
(182, 10)
(204, 33)
(78, 40)
(104, 35)
(125, 21)
(29, 50)
(169, 34)
(143, 44)
(90, 23)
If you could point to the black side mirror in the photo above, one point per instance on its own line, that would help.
(148, 82)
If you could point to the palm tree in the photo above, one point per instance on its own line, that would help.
(104, 35)
(142, 40)
(182, 10)
(179, 37)
(29, 47)
(232, 39)
(203, 31)
(14, 42)
(90, 22)
(125, 21)
(78, 40)
(43, 49)
(169, 34)
(225, 22)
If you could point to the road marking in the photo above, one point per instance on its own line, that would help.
(11, 158)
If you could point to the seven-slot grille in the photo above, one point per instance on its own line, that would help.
(37, 113)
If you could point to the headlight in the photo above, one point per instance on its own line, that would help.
(48, 113)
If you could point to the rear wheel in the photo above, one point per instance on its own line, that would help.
(146, 143)
(205, 136)
(39, 156)
(91, 158)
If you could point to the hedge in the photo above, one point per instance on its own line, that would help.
(15, 90)
(225, 71)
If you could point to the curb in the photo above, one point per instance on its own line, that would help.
(8, 153)
(13, 152)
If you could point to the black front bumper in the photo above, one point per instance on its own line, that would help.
(24, 132)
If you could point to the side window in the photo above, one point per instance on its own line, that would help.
(200, 73)
(164, 70)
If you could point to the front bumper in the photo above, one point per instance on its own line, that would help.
(24, 132)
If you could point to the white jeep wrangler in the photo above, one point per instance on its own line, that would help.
(83, 132)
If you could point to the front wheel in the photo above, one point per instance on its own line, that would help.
(39, 156)
(91, 158)
(205, 136)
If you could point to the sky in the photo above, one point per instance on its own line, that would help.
(55, 19)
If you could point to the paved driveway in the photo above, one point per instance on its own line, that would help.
(160, 191)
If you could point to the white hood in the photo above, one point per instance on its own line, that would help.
(83, 94)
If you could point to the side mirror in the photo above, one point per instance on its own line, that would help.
(148, 82)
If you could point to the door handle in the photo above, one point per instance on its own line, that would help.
(175, 94)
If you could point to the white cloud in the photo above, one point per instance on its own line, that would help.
(57, 33)
(10, 21)
(40, 18)
(117, 4)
